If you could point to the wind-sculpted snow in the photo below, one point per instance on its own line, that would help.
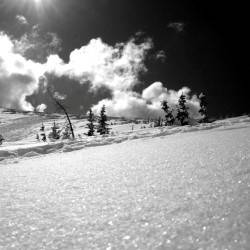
(184, 191)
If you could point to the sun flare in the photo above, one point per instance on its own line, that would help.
(36, 1)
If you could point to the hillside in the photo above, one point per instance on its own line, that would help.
(159, 188)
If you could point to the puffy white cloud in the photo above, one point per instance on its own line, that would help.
(148, 104)
(114, 67)
(18, 76)
(41, 108)
(126, 104)
(102, 65)
(117, 68)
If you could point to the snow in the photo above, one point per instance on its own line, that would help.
(168, 188)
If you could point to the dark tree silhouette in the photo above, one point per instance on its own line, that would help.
(91, 123)
(1, 139)
(55, 133)
(44, 138)
(102, 122)
(203, 107)
(158, 123)
(169, 118)
(61, 106)
(182, 112)
(42, 127)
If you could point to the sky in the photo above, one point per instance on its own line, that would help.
(127, 54)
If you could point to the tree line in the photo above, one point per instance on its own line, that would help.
(182, 111)
(102, 126)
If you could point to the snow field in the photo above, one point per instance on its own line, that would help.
(29, 147)
(185, 191)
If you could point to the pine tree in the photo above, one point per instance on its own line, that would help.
(44, 138)
(55, 134)
(103, 126)
(203, 107)
(1, 139)
(91, 123)
(169, 116)
(66, 133)
(159, 121)
(182, 112)
(42, 127)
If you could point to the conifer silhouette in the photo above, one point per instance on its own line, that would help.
(182, 112)
(91, 123)
(102, 122)
(169, 118)
(203, 107)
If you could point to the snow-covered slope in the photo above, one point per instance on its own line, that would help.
(165, 190)
(20, 130)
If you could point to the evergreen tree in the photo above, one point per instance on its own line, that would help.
(91, 123)
(169, 118)
(182, 112)
(203, 107)
(158, 122)
(55, 134)
(44, 138)
(42, 127)
(66, 133)
(1, 139)
(103, 126)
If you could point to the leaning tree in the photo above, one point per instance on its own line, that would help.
(59, 103)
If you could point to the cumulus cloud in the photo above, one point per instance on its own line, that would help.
(102, 65)
(18, 76)
(37, 45)
(148, 104)
(21, 20)
(177, 26)
(41, 108)
(117, 68)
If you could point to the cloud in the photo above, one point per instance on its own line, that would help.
(97, 63)
(177, 26)
(161, 55)
(37, 45)
(102, 65)
(148, 104)
(41, 108)
(59, 96)
(22, 20)
(117, 68)
(18, 76)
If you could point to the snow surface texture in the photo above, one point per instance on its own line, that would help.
(20, 134)
(170, 191)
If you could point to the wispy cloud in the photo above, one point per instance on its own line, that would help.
(38, 45)
(161, 55)
(177, 26)
(22, 20)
